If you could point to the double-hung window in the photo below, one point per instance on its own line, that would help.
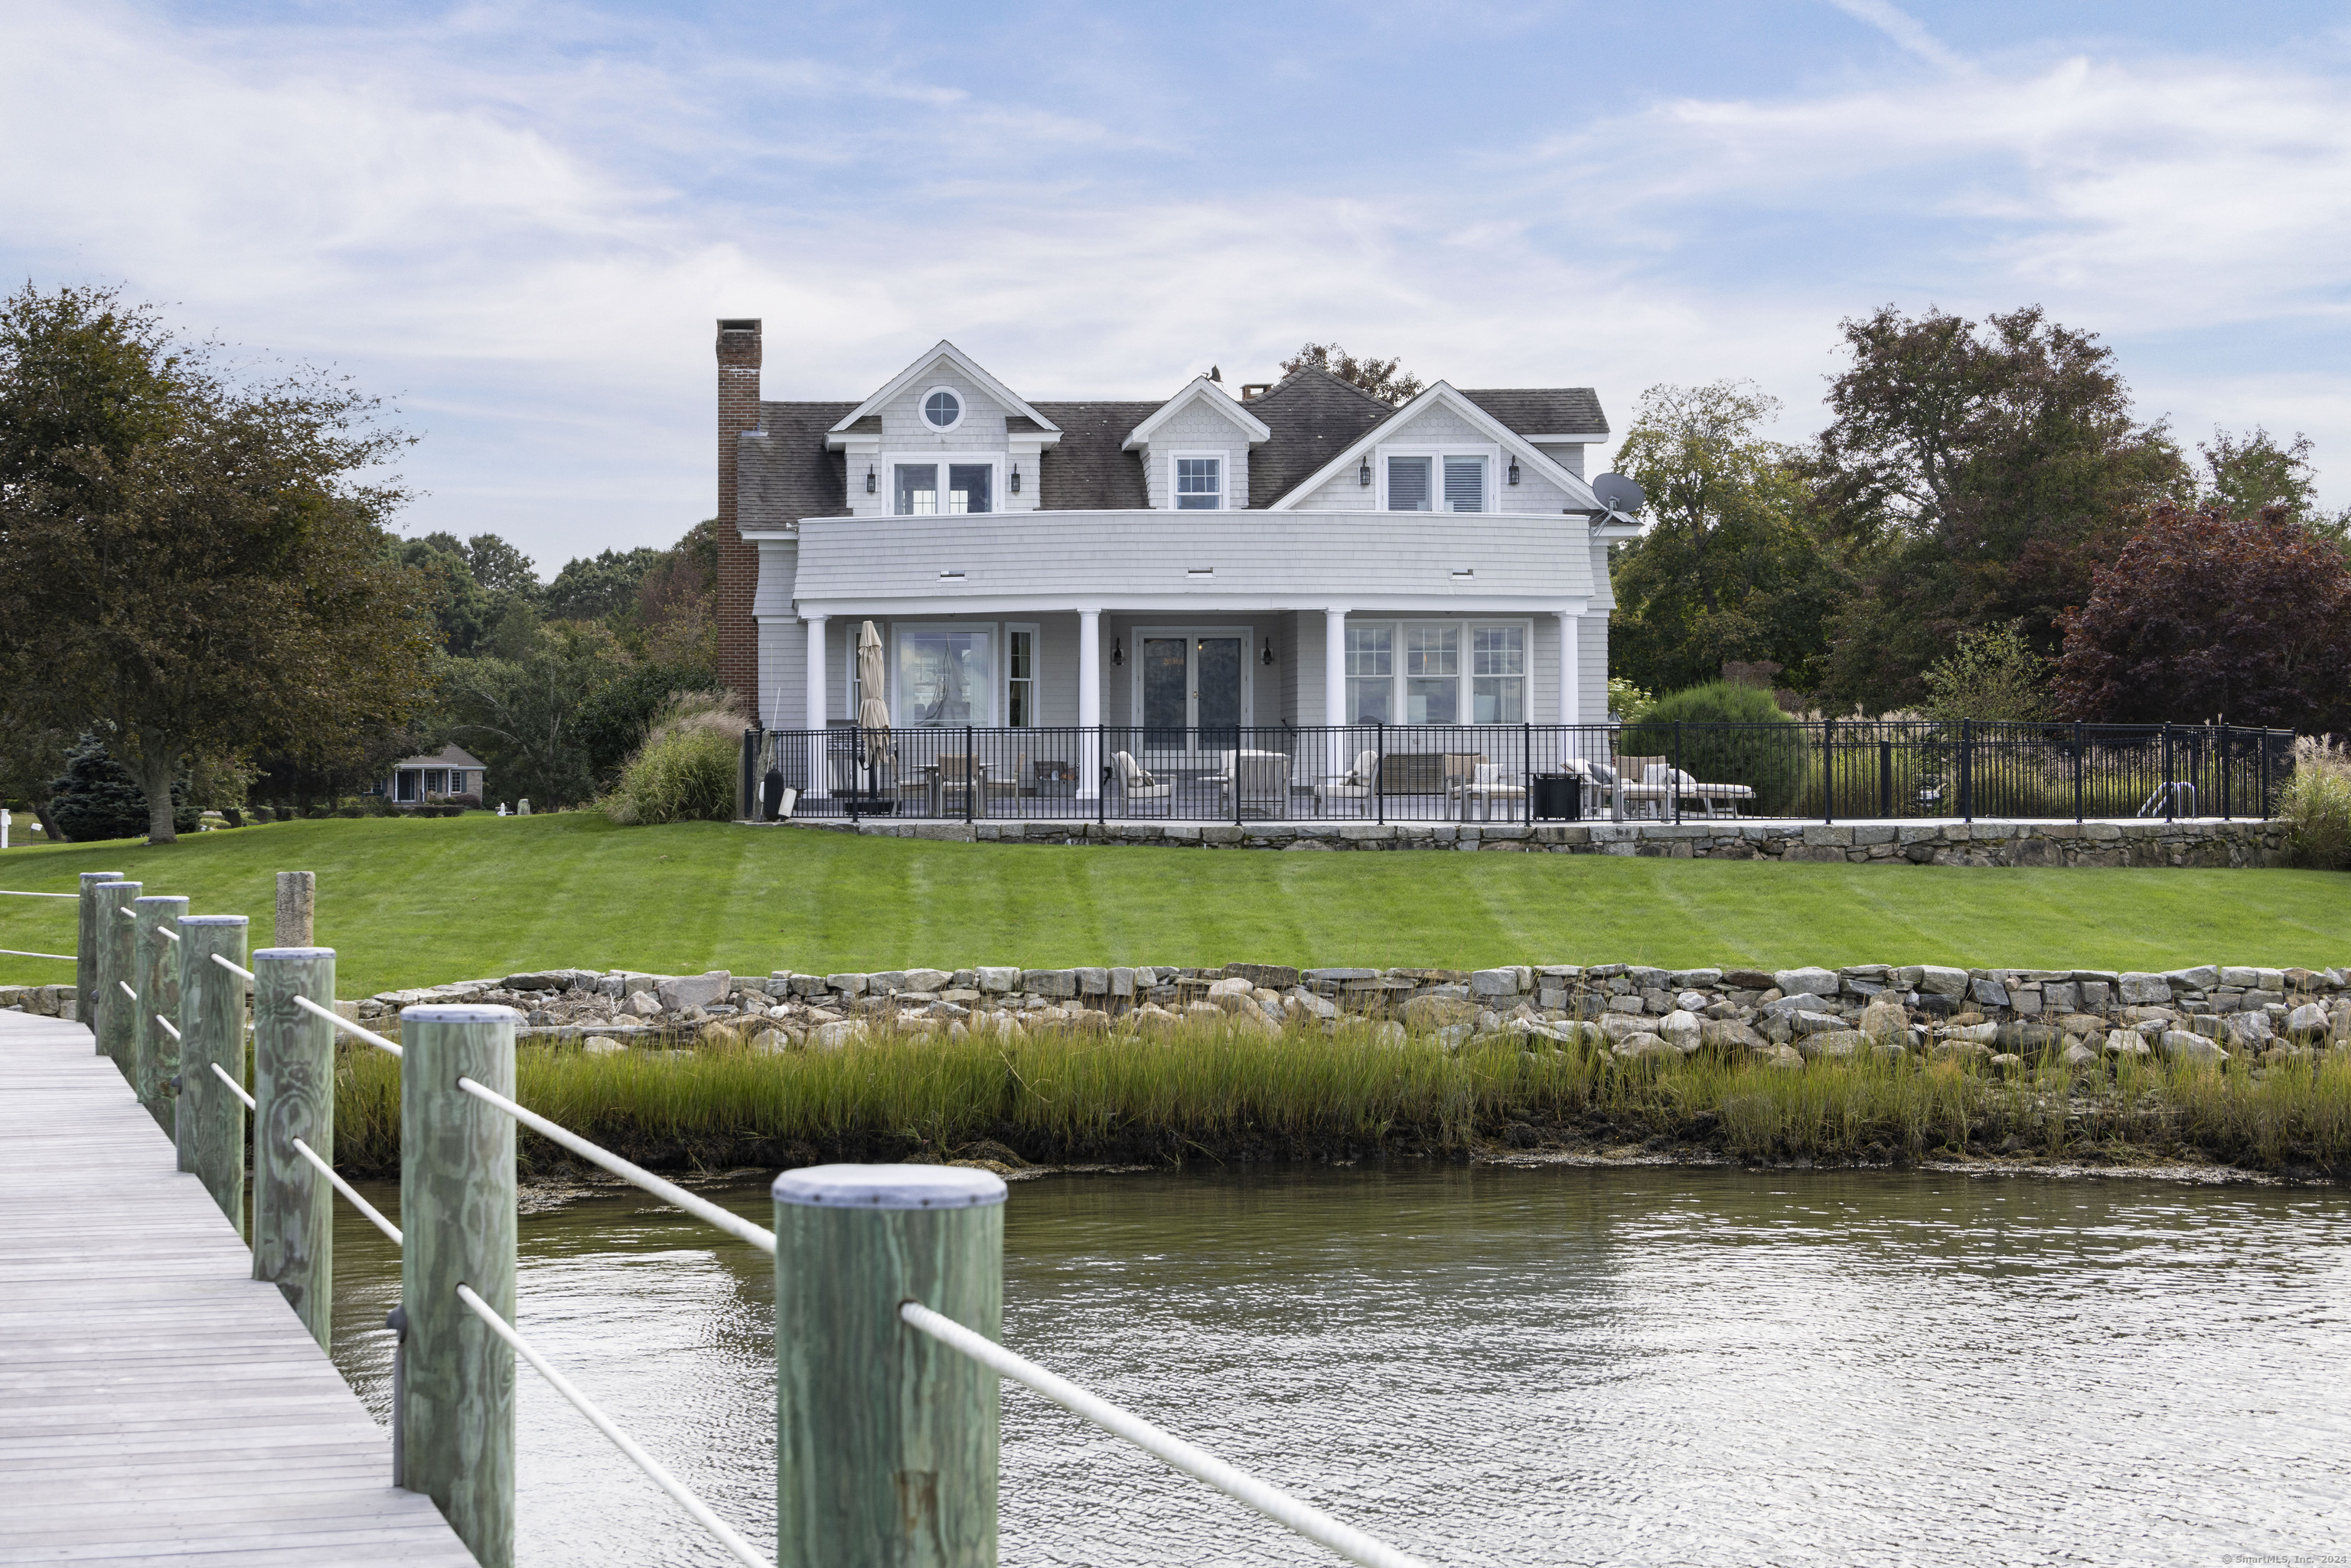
(1021, 676)
(1432, 674)
(1437, 672)
(1497, 674)
(1371, 675)
(1199, 483)
(934, 489)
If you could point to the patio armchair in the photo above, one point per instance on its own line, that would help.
(1138, 783)
(1486, 784)
(1355, 784)
(1254, 780)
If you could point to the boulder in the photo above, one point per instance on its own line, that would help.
(1811, 1023)
(1958, 1050)
(1645, 1047)
(550, 979)
(693, 990)
(834, 1036)
(601, 1045)
(2127, 1042)
(927, 979)
(1053, 982)
(1424, 1013)
(847, 985)
(1837, 1044)
(1974, 1033)
(2203, 978)
(996, 981)
(1781, 1056)
(2247, 1030)
(1681, 1030)
(2307, 1020)
(2077, 1056)
(2007, 1061)
(2145, 990)
(1936, 980)
(1798, 1001)
(1494, 983)
(2180, 1046)
(1816, 982)
(1730, 1034)
(719, 1035)
(1886, 1020)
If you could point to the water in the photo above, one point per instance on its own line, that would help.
(1545, 1365)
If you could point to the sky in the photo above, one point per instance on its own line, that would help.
(518, 222)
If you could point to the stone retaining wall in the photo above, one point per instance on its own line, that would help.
(2201, 842)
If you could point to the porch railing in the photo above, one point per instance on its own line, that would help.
(1827, 770)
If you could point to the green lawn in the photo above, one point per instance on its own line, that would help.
(417, 902)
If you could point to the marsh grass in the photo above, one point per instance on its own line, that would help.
(1223, 1093)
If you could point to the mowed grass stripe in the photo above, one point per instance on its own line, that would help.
(416, 902)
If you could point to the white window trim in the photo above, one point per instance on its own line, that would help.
(1465, 699)
(999, 462)
(987, 629)
(1036, 668)
(1224, 479)
(1437, 452)
(962, 409)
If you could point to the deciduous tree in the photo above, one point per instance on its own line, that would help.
(1383, 379)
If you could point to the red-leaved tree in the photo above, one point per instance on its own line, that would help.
(2204, 616)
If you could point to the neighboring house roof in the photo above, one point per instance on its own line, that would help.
(1543, 411)
(1012, 402)
(447, 756)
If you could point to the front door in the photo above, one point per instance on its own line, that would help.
(1193, 696)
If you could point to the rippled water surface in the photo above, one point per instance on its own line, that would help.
(1547, 1366)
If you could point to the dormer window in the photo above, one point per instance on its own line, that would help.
(942, 409)
(1199, 483)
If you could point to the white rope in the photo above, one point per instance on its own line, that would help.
(234, 1086)
(363, 1204)
(125, 910)
(127, 990)
(165, 931)
(237, 969)
(167, 1026)
(347, 1026)
(700, 1208)
(742, 1549)
(12, 892)
(1173, 1451)
(19, 953)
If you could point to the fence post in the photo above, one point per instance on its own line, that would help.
(1527, 751)
(212, 1029)
(1674, 774)
(113, 1011)
(293, 1097)
(85, 946)
(298, 906)
(2167, 799)
(2077, 773)
(458, 1227)
(749, 791)
(155, 975)
(1380, 770)
(1828, 769)
(885, 1439)
(2266, 739)
(1967, 771)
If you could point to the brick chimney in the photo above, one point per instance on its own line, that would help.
(739, 562)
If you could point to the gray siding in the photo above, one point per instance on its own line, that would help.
(1200, 428)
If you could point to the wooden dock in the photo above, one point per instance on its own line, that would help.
(157, 1404)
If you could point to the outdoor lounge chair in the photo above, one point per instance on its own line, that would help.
(1662, 785)
(1353, 785)
(1485, 785)
(1254, 780)
(1138, 783)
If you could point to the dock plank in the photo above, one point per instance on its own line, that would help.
(157, 1404)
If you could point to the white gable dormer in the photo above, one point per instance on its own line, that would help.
(942, 437)
(1195, 449)
(1441, 452)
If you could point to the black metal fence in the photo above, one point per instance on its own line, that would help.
(1824, 771)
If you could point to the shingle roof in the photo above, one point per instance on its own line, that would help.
(784, 471)
(1086, 470)
(450, 756)
(1543, 411)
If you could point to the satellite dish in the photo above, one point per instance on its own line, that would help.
(1623, 498)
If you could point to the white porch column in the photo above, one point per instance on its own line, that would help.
(1089, 704)
(814, 720)
(1334, 665)
(1571, 703)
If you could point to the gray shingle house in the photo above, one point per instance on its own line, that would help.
(1304, 555)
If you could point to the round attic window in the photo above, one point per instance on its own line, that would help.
(942, 409)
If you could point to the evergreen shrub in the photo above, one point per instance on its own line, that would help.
(98, 798)
(1766, 751)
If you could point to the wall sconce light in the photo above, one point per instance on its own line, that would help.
(1016, 478)
(1514, 472)
(1117, 654)
(1363, 474)
(1268, 659)
(869, 479)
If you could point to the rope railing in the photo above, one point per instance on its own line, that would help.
(701, 1209)
(166, 932)
(374, 1216)
(12, 892)
(168, 1026)
(128, 991)
(234, 1086)
(20, 952)
(1171, 1450)
(345, 1025)
(734, 1542)
(239, 970)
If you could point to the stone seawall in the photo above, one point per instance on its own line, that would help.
(2201, 842)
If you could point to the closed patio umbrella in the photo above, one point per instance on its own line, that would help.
(873, 712)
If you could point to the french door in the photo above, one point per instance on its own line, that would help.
(1192, 688)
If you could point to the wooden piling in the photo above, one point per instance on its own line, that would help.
(212, 1029)
(86, 949)
(111, 1012)
(885, 1439)
(155, 965)
(293, 1097)
(297, 903)
(457, 1227)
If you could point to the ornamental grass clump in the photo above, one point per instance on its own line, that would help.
(2315, 804)
(687, 769)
